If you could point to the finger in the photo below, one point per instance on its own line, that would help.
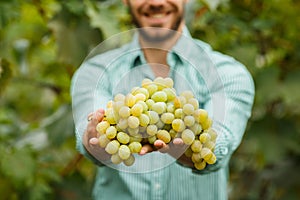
(161, 146)
(178, 142)
(146, 149)
(97, 116)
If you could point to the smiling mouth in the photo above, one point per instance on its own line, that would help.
(157, 15)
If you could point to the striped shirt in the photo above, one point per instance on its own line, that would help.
(223, 87)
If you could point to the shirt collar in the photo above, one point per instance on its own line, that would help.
(138, 57)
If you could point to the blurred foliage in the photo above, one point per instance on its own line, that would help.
(42, 43)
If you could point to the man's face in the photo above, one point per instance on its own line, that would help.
(167, 14)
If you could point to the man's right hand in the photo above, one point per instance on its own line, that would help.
(90, 137)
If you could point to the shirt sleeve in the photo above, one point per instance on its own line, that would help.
(89, 92)
(238, 94)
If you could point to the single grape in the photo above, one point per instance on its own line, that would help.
(160, 124)
(159, 96)
(153, 116)
(206, 153)
(146, 82)
(194, 102)
(149, 103)
(133, 131)
(159, 107)
(133, 122)
(124, 112)
(200, 165)
(144, 105)
(200, 115)
(136, 138)
(129, 161)
(178, 125)
(124, 152)
(152, 139)
(171, 94)
(103, 140)
(123, 138)
(212, 159)
(119, 97)
(204, 138)
(139, 90)
(196, 128)
(167, 118)
(170, 108)
(213, 134)
(140, 97)
(210, 144)
(136, 110)
(152, 88)
(188, 136)
(188, 109)
(189, 120)
(112, 147)
(169, 82)
(111, 132)
(196, 146)
(115, 159)
(135, 147)
(196, 157)
(187, 94)
(130, 100)
(110, 116)
(151, 129)
(159, 81)
(122, 124)
(164, 136)
(144, 120)
(207, 124)
(179, 113)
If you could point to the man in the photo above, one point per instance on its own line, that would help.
(163, 47)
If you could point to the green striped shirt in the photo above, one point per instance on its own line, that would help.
(223, 87)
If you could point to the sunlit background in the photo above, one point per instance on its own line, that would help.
(42, 43)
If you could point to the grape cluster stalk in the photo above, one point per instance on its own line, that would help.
(153, 112)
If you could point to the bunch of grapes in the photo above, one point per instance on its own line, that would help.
(155, 112)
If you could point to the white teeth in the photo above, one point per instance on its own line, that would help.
(158, 15)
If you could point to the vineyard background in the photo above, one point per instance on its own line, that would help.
(42, 43)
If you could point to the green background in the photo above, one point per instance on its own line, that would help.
(43, 42)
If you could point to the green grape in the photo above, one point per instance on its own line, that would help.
(152, 139)
(151, 129)
(102, 126)
(144, 120)
(136, 110)
(119, 97)
(122, 124)
(164, 136)
(196, 128)
(111, 132)
(140, 97)
(171, 94)
(153, 116)
(149, 103)
(160, 82)
(159, 107)
(146, 82)
(152, 88)
(130, 100)
(144, 105)
(110, 116)
(169, 82)
(173, 133)
(135, 147)
(160, 124)
(194, 102)
(123, 138)
(167, 127)
(124, 112)
(212, 159)
(129, 161)
(188, 109)
(196, 146)
(136, 138)
(187, 94)
(210, 144)
(200, 165)
(178, 125)
(196, 157)
(213, 134)
(204, 137)
(103, 140)
(159, 96)
(179, 113)
(133, 131)
(139, 90)
(133, 122)
(206, 153)
(112, 147)
(189, 120)
(207, 124)
(170, 108)
(177, 103)
(167, 118)
(188, 152)
(109, 104)
(124, 152)
(200, 115)
(116, 159)
(188, 136)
